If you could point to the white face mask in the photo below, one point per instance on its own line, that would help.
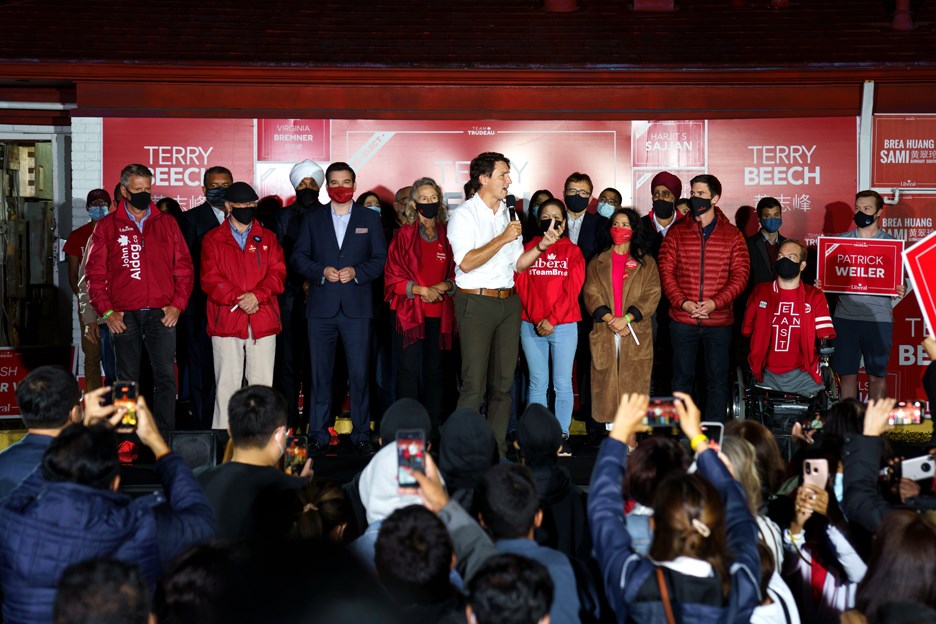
(838, 486)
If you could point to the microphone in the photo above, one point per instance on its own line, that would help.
(511, 207)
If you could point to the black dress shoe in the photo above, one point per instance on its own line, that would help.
(316, 449)
(364, 448)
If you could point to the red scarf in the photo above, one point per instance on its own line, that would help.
(402, 263)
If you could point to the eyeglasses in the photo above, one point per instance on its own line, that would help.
(582, 193)
(611, 201)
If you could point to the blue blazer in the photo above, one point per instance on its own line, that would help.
(364, 248)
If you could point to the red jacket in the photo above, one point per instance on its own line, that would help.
(758, 317)
(550, 288)
(228, 272)
(129, 270)
(694, 269)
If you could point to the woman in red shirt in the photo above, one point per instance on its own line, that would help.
(549, 293)
(419, 280)
(622, 291)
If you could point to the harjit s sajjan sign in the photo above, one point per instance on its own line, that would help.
(856, 266)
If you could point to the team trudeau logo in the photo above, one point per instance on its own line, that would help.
(130, 255)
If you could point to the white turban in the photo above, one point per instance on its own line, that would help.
(306, 169)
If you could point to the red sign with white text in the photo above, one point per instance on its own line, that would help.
(920, 260)
(665, 145)
(178, 151)
(390, 154)
(809, 165)
(292, 140)
(904, 151)
(857, 266)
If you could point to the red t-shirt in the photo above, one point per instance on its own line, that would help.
(618, 269)
(784, 353)
(78, 239)
(431, 271)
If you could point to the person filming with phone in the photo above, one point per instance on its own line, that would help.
(784, 319)
(70, 510)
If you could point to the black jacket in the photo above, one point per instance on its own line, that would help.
(197, 222)
(761, 268)
(594, 236)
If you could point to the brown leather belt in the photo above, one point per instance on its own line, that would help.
(500, 293)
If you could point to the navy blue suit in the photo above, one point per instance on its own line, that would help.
(334, 309)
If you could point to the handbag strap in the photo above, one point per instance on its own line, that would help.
(664, 594)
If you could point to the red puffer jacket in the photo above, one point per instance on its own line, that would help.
(694, 269)
(130, 270)
(228, 272)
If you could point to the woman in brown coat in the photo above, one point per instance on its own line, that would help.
(622, 289)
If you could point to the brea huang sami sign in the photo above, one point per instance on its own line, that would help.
(857, 266)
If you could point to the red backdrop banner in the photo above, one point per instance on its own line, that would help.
(809, 165)
(292, 140)
(904, 151)
(390, 154)
(178, 151)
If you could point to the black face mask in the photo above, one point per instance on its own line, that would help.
(787, 269)
(863, 220)
(576, 203)
(428, 211)
(244, 215)
(700, 205)
(663, 209)
(307, 197)
(215, 197)
(544, 225)
(140, 201)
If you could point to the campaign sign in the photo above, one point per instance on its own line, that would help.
(920, 260)
(860, 266)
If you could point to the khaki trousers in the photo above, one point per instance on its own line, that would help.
(235, 359)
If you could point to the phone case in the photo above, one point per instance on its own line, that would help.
(816, 472)
(918, 468)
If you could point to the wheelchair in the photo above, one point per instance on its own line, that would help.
(779, 411)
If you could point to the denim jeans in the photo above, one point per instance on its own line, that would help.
(538, 349)
(716, 346)
(146, 325)
(108, 359)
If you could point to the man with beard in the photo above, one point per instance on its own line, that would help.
(292, 369)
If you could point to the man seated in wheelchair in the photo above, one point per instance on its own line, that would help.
(784, 319)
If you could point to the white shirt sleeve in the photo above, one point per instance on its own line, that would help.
(460, 234)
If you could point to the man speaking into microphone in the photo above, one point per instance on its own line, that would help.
(485, 236)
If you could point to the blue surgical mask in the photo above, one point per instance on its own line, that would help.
(838, 486)
(374, 208)
(772, 224)
(605, 209)
(97, 212)
(535, 211)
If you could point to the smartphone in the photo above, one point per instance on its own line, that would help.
(816, 472)
(411, 453)
(124, 394)
(918, 468)
(294, 459)
(662, 412)
(906, 413)
(714, 431)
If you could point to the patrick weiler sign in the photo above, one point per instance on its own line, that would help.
(860, 266)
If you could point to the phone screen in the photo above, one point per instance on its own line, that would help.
(714, 431)
(906, 413)
(296, 453)
(662, 412)
(411, 449)
(124, 394)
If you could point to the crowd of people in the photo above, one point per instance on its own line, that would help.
(259, 304)
(672, 528)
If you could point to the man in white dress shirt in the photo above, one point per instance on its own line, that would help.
(487, 248)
